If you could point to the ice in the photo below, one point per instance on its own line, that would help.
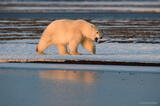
(81, 6)
(85, 3)
(119, 9)
(141, 52)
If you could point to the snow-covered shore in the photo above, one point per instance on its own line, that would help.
(106, 52)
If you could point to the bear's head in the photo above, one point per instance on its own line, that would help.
(92, 32)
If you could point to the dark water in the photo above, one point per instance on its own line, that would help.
(83, 15)
(87, 85)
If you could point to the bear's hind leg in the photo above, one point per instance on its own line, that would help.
(62, 49)
(73, 48)
(89, 45)
(42, 46)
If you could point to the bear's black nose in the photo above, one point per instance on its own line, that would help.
(96, 39)
(101, 37)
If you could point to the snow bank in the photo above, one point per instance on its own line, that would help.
(106, 52)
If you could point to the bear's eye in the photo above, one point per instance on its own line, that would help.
(97, 32)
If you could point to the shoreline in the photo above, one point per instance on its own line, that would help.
(84, 62)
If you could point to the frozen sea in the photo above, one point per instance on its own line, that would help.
(38, 84)
(124, 72)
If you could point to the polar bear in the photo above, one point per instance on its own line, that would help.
(71, 33)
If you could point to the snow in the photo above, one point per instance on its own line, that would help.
(120, 52)
(82, 6)
(119, 9)
(85, 3)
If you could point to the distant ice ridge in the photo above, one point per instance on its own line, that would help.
(151, 2)
(83, 6)
(85, 9)
(144, 53)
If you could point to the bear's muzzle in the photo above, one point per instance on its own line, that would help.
(96, 39)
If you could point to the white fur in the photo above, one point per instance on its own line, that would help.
(69, 32)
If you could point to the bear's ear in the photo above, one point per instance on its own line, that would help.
(92, 26)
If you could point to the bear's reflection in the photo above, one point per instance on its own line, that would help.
(84, 76)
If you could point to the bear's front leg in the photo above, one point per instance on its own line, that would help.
(62, 49)
(73, 48)
(89, 45)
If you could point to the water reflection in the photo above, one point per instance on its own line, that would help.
(76, 76)
(30, 85)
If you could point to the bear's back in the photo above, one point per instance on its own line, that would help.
(69, 23)
(64, 30)
(66, 25)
